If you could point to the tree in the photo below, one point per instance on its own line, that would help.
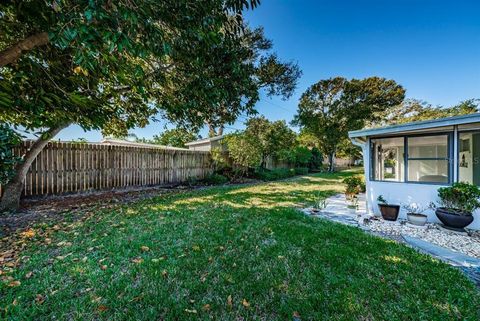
(416, 110)
(243, 150)
(271, 137)
(331, 108)
(8, 160)
(106, 65)
(176, 137)
(256, 69)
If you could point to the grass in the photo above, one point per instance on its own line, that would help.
(228, 253)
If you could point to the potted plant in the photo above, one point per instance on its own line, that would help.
(415, 214)
(457, 204)
(389, 211)
(353, 206)
(319, 203)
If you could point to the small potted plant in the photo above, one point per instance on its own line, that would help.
(389, 211)
(353, 206)
(415, 214)
(319, 203)
(457, 204)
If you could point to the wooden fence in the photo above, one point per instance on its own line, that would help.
(79, 167)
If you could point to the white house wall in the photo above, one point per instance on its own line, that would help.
(403, 193)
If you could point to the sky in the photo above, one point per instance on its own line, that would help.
(431, 48)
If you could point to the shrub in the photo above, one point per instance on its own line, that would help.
(316, 160)
(215, 179)
(8, 139)
(301, 170)
(354, 185)
(460, 197)
(274, 174)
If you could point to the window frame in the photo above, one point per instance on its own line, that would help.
(449, 158)
(457, 152)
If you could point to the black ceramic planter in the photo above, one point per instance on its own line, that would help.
(389, 212)
(452, 219)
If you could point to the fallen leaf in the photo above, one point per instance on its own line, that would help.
(196, 248)
(206, 307)
(191, 311)
(103, 267)
(39, 299)
(296, 316)
(28, 275)
(28, 233)
(164, 273)
(14, 283)
(229, 301)
(102, 308)
(137, 260)
(245, 303)
(145, 248)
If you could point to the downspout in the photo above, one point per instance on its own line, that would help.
(363, 143)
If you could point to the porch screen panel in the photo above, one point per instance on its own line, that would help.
(428, 159)
(388, 159)
(469, 157)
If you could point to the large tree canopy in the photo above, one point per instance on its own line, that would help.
(241, 66)
(331, 108)
(106, 65)
(416, 110)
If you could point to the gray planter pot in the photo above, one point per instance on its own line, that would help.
(453, 219)
(417, 219)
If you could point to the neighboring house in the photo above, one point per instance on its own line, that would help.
(119, 142)
(408, 163)
(206, 144)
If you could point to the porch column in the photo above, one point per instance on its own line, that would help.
(455, 153)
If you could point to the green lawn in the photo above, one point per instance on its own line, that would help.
(228, 253)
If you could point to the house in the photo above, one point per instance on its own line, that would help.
(206, 144)
(407, 163)
(119, 142)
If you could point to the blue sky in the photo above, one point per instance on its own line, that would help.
(432, 48)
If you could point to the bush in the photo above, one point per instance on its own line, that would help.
(301, 170)
(354, 185)
(215, 179)
(8, 161)
(461, 197)
(316, 160)
(274, 174)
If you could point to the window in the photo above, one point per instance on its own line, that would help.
(388, 159)
(427, 159)
(422, 159)
(469, 157)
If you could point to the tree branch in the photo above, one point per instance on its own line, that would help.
(11, 54)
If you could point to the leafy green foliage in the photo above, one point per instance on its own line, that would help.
(110, 65)
(244, 150)
(416, 110)
(301, 170)
(354, 185)
(271, 137)
(274, 174)
(317, 159)
(176, 137)
(461, 197)
(331, 108)
(215, 179)
(8, 160)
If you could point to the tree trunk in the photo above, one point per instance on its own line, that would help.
(10, 200)
(220, 131)
(331, 164)
(12, 53)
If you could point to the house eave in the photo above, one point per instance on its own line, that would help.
(421, 126)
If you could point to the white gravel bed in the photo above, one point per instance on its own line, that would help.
(466, 244)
